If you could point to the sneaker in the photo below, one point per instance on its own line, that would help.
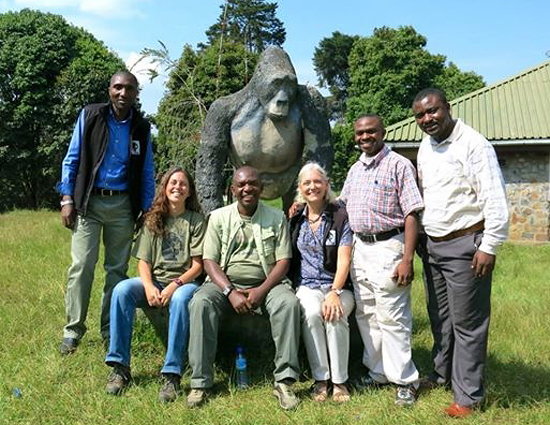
(68, 346)
(285, 395)
(405, 395)
(196, 397)
(118, 380)
(170, 389)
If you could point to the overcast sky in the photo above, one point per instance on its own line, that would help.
(496, 39)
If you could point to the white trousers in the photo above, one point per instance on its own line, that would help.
(327, 343)
(383, 313)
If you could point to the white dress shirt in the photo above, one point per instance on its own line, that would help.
(462, 184)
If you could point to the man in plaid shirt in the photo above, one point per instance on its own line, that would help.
(382, 200)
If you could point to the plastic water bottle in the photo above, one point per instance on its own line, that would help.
(241, 373)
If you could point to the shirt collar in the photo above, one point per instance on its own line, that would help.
(112, 115)
(374, 160)
(455, 134)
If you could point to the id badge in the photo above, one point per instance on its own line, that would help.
(135, 147)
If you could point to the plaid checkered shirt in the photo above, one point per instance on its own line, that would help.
(380, 191)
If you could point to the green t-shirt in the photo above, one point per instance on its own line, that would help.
(170, 255)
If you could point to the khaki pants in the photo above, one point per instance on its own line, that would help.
(113, 216)
(383, 313)
(209, 305)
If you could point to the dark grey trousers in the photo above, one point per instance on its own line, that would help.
(459, 307)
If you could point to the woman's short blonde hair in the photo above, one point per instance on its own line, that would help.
(313, 166)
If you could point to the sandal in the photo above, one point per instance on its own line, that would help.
(340, 393)
(319, 391)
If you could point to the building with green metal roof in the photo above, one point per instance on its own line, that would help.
(514, 115)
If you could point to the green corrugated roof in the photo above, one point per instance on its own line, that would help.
(517, 108)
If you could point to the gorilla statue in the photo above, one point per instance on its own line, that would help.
(273, 124)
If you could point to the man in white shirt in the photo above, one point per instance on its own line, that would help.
(465, 219)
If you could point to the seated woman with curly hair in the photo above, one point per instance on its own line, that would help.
(321, 253)
(169, 253)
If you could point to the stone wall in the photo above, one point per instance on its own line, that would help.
(527, 177)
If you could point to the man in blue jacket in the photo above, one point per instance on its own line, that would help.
(107, 182)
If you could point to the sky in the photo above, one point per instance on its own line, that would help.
(495, 38)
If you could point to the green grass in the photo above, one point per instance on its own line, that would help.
(34, 256)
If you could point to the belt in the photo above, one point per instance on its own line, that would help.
(458, 233)
(379, 236)
(107, 192)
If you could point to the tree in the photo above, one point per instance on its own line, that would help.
(48, 71)
(385, 72)
(390, 67)
(222, 66)
(330, 60)
(196, 80)
(250, 22)
(456, 83)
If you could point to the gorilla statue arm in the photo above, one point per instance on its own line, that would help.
(213, 154)
(317, 145)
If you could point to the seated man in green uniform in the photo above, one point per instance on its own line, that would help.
(246, 255)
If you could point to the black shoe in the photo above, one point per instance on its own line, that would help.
(432, 382)
(118, 380)
(170, 388)
(68, 346)
(366, 382)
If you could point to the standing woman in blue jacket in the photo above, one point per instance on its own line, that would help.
(169, 253)
(322, 243)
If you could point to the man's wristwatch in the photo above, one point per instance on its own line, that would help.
(337, 291)
(177, 281)
(66, 202)
(227, 290)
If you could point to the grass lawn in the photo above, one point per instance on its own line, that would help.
(34, 253)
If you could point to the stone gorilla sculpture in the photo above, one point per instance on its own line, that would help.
(273, 124)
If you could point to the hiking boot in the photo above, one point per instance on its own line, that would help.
(285, 395)
(118, 380)
(68, 346)
(405, 395)
(170, 388)
(196, 397)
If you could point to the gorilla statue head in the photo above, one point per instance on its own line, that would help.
(275, 82)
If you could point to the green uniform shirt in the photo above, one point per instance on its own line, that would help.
(170, 255)
(247, 248)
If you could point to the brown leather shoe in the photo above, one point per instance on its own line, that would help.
(458, 411)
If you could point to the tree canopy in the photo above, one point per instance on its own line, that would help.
(220, 67)
(388, 68)
(197, 79)
(330, 60)
(48, 71)
(252, 23)
(386, 71)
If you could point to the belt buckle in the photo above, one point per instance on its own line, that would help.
(368, 238)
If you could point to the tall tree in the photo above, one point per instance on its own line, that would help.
(330, 60)
(222, 66)
(385, 72)
(250, 22)
(48, 71)
(390, 67)
(196, 80)
(456, 83)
